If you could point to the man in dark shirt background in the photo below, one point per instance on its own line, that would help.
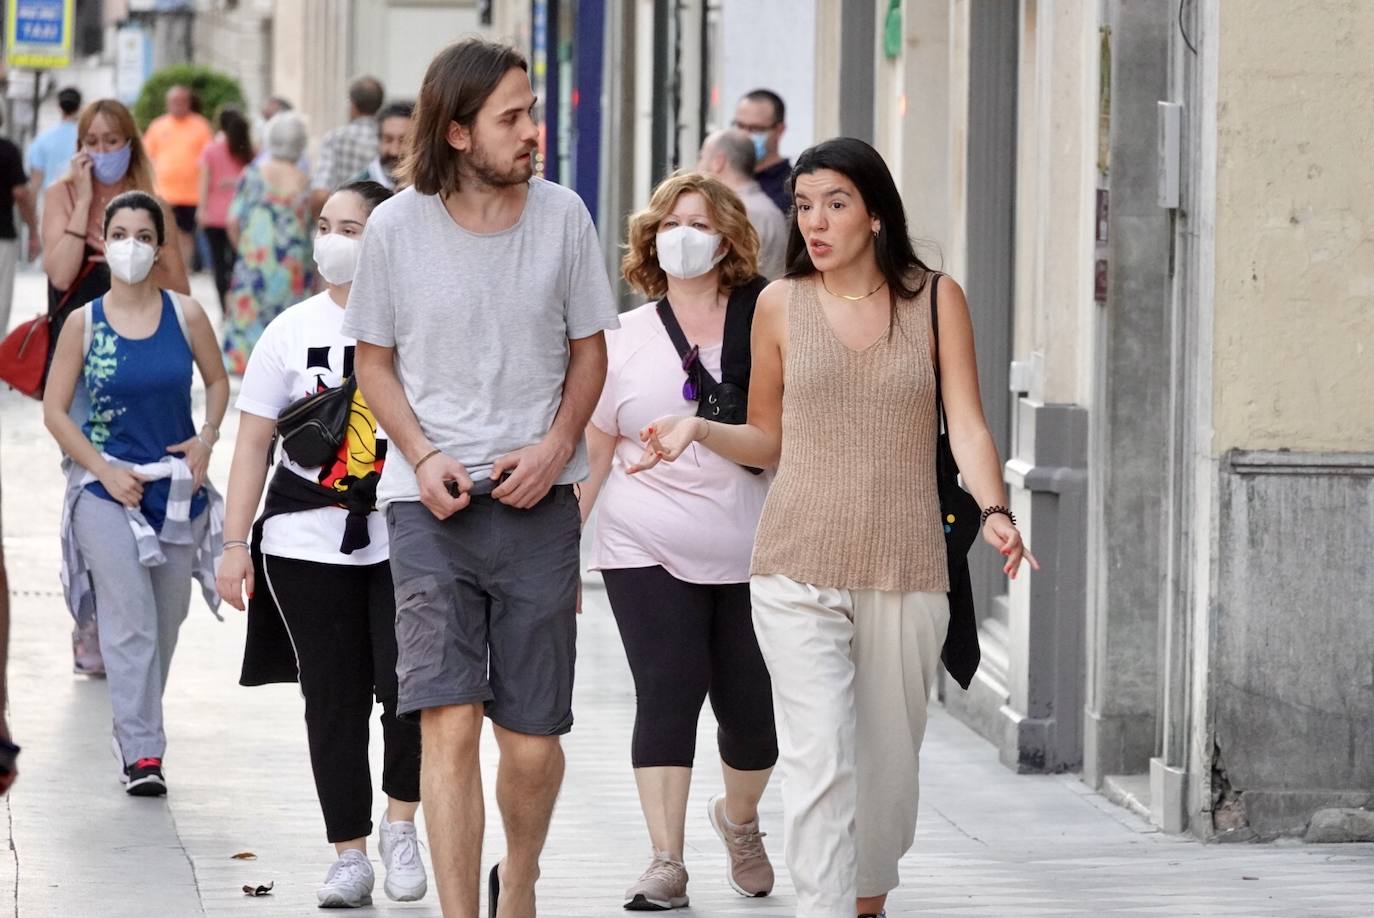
(762, 115)
(14, 191)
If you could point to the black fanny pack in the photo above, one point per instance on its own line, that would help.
(725, 400)
(311, 429)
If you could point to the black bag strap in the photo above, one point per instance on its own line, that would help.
(739, 327)
(665, 313)
(939, 355)
(735, 346)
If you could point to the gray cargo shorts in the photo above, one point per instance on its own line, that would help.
(486, 609)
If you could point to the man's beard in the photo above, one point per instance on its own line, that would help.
(389, 164)
(483, 171)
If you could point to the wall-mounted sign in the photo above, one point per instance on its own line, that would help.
(39, 33)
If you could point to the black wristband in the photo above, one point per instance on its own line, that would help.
(995, 508)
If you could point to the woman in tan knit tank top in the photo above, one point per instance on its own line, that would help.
(849, 575)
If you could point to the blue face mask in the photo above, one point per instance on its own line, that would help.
(108, 168)
(760, 139)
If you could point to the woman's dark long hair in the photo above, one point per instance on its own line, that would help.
(905, 273)
(235, 128)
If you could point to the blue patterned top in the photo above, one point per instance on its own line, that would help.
(140, 392)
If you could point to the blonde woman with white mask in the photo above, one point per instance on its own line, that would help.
(315, 567)
(139, 520)
(673, 545)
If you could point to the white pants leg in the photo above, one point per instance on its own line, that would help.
(897, 641)
(805, 633)
(852, 671)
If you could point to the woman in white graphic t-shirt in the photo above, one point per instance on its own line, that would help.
(316, 572)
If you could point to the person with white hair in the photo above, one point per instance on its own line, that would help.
(728, 155)
(269, 226)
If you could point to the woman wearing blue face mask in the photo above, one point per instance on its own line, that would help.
(138, 519)
(108, 162)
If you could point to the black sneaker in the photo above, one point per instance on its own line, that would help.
(145, 779)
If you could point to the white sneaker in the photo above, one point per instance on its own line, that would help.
(349, 882)
(400, 849)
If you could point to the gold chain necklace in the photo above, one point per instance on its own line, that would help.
(852, 299)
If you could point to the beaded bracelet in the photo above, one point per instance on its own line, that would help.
(995, 508)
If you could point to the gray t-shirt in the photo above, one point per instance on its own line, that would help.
(480, 322)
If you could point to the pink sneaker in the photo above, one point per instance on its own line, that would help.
(750, 872)
(662, 886)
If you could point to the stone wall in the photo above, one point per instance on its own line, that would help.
(1292, 668)
(1294, 343)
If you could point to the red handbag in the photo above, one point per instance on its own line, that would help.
(24, 352)
(24, 356)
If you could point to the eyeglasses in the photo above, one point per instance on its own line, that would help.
(690, 362)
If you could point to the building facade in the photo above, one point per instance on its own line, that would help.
(1161, 221)
(308, 51)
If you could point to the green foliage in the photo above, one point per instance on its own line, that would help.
(212, 89)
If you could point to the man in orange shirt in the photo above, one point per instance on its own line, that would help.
(174, 142)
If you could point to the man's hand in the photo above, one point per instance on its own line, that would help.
(435, 477)
(531, 472)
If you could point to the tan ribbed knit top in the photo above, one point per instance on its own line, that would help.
(854, 504)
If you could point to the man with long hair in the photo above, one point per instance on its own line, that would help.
(479, 306)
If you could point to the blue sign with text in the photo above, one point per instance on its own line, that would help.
(39, 22)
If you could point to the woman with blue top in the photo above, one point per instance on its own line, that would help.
(139, 521)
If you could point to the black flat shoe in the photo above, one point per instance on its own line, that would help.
(493, 890)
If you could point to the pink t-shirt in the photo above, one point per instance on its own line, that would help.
(224, 173)
(696, 517)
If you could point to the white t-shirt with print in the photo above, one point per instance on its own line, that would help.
(301, 352)
(697, 516)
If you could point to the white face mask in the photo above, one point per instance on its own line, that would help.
(129, 259)
(337, 258)
(686, 253)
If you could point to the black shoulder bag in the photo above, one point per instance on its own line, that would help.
(959, 517)
(726, 401)
(312, 429)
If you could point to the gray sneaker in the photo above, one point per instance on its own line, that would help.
(749, 871)
(661, 887)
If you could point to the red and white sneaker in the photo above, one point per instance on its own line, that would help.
(145, 779)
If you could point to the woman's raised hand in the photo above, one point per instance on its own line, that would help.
(666, 439)
(81, 166)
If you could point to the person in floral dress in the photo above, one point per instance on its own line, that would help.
(269, 222)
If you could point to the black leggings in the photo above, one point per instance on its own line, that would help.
(224, 255)
(341, 619)
(683, 641)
